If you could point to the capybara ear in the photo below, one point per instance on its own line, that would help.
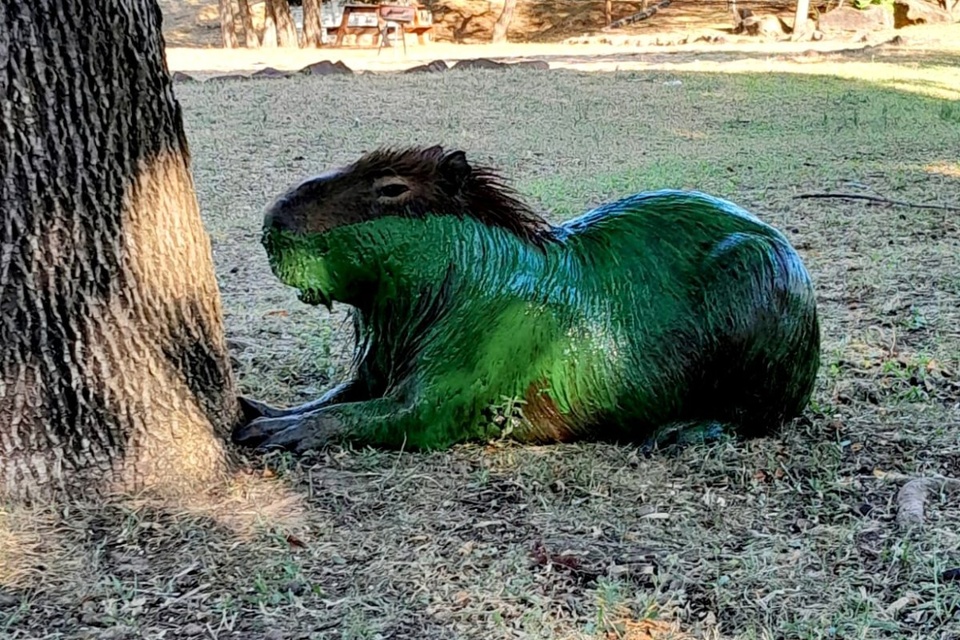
(454, 171)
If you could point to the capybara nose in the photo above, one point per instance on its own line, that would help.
(276, 217)
(270, 220)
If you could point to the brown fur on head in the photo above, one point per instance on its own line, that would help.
(409, 182)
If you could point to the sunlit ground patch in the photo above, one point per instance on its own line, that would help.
(950, 170)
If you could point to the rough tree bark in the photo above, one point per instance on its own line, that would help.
(227, 29)
(312, 24)
(286, 27)
(269, 38)
(503, 22)
(246, 18)
(114, 374)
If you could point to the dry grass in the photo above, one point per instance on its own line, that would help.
(787, 537)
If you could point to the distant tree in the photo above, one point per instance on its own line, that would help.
(114, 373)
(312, 24)
(227, 29)
(246, 18)
(269, 39)
(800, 20)
(286, 27)
(503, 22)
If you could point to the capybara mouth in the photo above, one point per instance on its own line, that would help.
(297, 262)
(315, 297)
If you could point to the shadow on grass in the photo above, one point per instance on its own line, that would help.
(130, 566)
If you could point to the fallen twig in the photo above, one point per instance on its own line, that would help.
(637, 17)
(914, 493)
(877, 199)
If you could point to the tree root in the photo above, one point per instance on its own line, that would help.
(877, 199)
(913, 495)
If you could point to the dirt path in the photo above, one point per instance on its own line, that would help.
(685, 33)
(195, 23)
(925, 60)
(917, 41)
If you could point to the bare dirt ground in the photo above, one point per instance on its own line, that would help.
(195, 23)
(566, 34)
(793, 536)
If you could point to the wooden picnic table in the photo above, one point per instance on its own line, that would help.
(360, 19)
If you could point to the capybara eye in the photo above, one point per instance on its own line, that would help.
(392, 190)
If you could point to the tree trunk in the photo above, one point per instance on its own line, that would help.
(246, 18)
(312, 24)
(269, 39)
(227, 28)
(503, 22)
(114, 374)
(608, 12)
(286, 27)
(800, 20)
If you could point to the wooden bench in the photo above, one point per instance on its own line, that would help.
(361, 19)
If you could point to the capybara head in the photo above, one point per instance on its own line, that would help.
(309, 230)
(410, 182)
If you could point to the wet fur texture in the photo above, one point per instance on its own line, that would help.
(669, 312)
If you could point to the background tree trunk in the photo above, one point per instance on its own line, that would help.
(246, 18)
(312, 24)
(286, 27)
(227, 28)
(114, 374)
(608, 11)
(800, 20)
(269, 38)
(503, 22)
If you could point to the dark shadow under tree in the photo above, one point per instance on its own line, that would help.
(114, 373)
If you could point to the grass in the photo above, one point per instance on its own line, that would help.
(787, 537)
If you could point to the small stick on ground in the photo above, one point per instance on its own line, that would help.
(877, 199)
(914, 493)
(637, 17)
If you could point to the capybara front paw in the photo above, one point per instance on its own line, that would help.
(253, 409)
(296, 433)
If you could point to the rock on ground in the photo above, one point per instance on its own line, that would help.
(855, 20)
(326, 68)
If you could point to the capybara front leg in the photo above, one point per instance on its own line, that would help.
(349, 391)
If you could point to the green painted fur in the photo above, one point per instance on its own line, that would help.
(660, 312)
